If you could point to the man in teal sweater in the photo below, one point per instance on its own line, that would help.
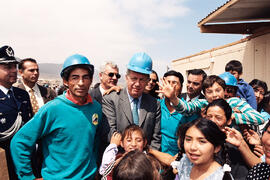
(68, 126)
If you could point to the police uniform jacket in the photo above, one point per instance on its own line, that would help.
(10, 109)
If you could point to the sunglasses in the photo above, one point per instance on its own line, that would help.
(153, 80)
(112, 74)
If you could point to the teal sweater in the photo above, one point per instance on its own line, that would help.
(69, 140)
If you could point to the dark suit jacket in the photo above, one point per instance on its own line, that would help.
(96, 94)
(117, 111)
(8, 115)
(184, 96)
(46, 93)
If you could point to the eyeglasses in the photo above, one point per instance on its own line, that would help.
(112, 74)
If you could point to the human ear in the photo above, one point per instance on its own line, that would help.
(217, 149)
(229, 122)
(145, 143)
(65, 82)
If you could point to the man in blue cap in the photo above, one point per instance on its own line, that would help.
(15, 107)
(68, 127)
(131, 105)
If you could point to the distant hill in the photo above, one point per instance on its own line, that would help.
(52, 71)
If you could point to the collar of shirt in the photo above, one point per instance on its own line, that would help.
(69, 97)
(131, 100)
(37, 93)
(188, 98)
(35, 88)
(5, 90)
(101, 90)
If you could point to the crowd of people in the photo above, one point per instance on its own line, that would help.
(149, 129)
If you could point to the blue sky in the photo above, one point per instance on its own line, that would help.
(51, 30)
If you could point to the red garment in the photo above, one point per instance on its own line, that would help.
(69, 97)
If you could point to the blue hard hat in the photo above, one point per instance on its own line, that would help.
(141, 63)
(229, 79)
(76, 59)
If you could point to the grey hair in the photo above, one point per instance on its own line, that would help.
(108, 63)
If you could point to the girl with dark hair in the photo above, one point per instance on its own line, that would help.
(265, 109)
(260, 88)
(132, 138)
(201, 140)
(152, 85)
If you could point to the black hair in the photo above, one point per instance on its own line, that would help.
(266, 127)
(68, 70)
(234, 65)
(155, 88)
(266, 101)
(197, 72)
(134, 166)
(21, 63)
(255, 83)
(208, 128)
(212, 133)
(223, 105)
(175, 73)
(210, 80)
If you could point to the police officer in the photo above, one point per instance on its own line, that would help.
(15, 107)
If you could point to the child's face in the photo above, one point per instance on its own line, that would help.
(133, 142)
(214, 92)
(198, 149)
(235, 74)
(259, 93)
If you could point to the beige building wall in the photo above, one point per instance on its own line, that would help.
(252, 51)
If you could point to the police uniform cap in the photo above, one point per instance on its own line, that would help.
(7, 55)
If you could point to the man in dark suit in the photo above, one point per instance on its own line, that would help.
(195, 79)
(29, 71)
(15, 107)
(131, 105)
(108, 75)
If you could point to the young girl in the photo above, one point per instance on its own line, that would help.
(133, 138)
(201, 140)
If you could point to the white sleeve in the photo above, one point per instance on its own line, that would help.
(108, 157)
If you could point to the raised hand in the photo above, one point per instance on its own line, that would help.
(168, 90)
(252, 137)
(234, 137)
(116, 138)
